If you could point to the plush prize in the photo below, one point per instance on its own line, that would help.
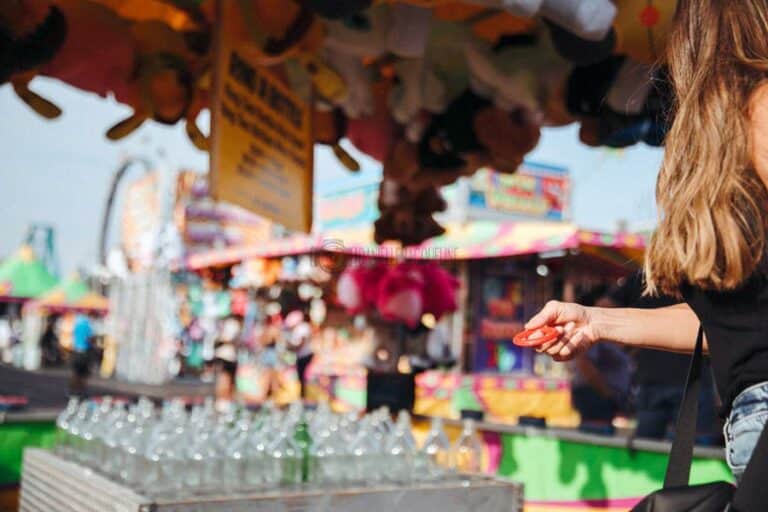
(357, 287)
(143, 65)
(642, 28)
(398, 30)
(401, 295)
(442, 287)
(406, 216)
(620, 102)
(374, 134)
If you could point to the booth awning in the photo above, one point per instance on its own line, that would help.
(72, 294)
(23, 276)
(462, 241)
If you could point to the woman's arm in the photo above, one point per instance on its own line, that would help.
(672, 328)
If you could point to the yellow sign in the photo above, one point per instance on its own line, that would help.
(261, 152)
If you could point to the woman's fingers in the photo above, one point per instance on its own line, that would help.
(556, 313)
(571, 343)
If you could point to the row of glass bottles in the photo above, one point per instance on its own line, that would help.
(172, 451)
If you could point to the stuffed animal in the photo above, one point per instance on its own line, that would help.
(620, 102)
(329, 127)
(588, 19)
(279, 30)
(374, 134)
(357, 286)
(401, 295)
(406, 216)
(429, 84)
(443, 286)
(472, 133)
(398, 30)
(522, 72)
(399, 292)
(30, 35)
(143, 65)
(338, 9)
(642, 28)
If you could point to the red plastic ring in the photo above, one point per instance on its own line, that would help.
(522, 339)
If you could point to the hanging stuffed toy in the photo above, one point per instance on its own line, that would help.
(143, 65)
(400, 292)
(374, 134)
(442, 288)
(472, 133)
(401, 295)
(642, 28)
(383, 30)
(357, 287)
(338, 9)
(30, 35)
(429, 84)
(407, 216)
(620, 102)
(329, 127)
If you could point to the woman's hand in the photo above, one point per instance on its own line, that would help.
(574, 324)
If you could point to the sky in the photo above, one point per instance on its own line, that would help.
(58, 172)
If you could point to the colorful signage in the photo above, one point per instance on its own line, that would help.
(499, 316)
(262, 146)
(347, 208)
(530, 193)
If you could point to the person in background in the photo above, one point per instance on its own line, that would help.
(49, 343)
(82, 334)
(269, 357)
(301, 343)
(225, 359)
(601, 380)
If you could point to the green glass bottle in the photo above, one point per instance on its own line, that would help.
(304, 444)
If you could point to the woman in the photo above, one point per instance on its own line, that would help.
(710, 246)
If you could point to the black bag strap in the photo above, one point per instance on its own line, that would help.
(681, 453)
(752, 492)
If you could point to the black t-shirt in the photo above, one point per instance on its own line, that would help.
(654, 367)
(451, 134)
(736, 326)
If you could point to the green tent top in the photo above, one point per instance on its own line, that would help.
(23, 276)
(72, 294)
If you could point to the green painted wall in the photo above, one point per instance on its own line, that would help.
(14, 437)
(554, 469)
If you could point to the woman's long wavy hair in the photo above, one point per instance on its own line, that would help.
(711, 231)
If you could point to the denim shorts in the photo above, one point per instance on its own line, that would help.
(745, 423)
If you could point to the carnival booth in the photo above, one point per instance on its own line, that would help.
(433, 90)
(70, 297)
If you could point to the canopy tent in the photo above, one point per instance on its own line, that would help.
(462, 241)
(72, 294)
(23, 276)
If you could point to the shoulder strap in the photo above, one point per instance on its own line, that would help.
(681, 454)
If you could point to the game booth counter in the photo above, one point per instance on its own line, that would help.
(564, 470)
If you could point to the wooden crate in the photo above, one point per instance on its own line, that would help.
(50, 483)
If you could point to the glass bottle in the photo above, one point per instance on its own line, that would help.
(63, 445)
(435, 454)
(468, 450)
(303, 441)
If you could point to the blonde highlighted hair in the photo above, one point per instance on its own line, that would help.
(711, 231)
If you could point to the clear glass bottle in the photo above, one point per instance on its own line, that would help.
(435, 454)
(285, 458)
(467, 452)
(63, 445)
